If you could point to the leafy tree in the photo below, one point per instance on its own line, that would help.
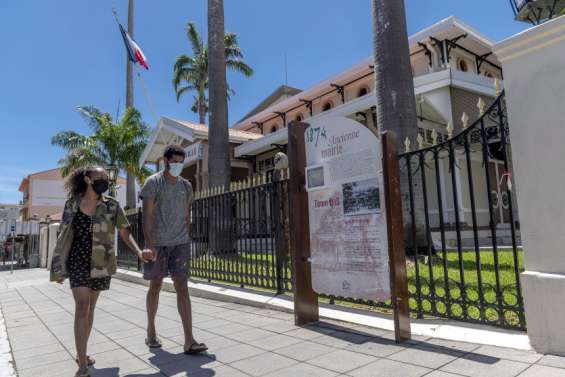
(111, 144)
(190, 73)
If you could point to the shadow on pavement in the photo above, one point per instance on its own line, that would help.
(358, 337)
(168, 364)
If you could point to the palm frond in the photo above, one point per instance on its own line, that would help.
(240, 67)
(194, 38)
(68, 140)
(91, 115)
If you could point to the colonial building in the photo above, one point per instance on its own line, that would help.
(452, 64)
(453, 67)
(194, 138)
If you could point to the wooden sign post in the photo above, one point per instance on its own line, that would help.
(343, 242)
(305, 299)
(396, 248)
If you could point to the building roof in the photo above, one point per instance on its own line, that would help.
(448, 28)
(200, 131)
(282, 92)
(174, 131)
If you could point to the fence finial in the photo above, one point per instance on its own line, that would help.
(407, 145)
(481, 106)
(497, 87)
(420, 141)
(449, 129)
(465, 120)
(434, 136)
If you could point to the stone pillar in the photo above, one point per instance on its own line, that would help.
(534, 76)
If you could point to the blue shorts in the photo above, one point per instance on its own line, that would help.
(170, 260)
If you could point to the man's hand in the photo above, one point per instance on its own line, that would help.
(148, 255)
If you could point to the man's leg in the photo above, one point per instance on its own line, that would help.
(185, 310)
(152, 305)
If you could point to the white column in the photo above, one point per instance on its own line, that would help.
(534, 78)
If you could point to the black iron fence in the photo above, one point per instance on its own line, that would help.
(461, 225)
(460, 218)
(238, 236)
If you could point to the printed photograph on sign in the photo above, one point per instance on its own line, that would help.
(361, 197)
(315, 177)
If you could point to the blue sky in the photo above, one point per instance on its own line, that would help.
(59, 54)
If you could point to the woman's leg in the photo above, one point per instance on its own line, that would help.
(82, 310)
(93, 299)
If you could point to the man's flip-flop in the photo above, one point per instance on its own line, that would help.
(153, 343)
(196, 348)
(89, 361)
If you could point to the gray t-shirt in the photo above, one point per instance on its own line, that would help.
(172, 202)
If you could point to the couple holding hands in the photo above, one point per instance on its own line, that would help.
(85, 253)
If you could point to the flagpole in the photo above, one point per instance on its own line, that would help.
(130, 193)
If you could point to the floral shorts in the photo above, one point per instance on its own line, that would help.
(170, 260)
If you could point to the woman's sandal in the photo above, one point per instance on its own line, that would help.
(196, 348)
(82, 372)
(90, 361)
(153, 343)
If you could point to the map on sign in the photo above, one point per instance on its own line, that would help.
(348, 229)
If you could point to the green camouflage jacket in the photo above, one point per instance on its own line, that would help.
(108, 216)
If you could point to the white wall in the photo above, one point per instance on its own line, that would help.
(48, 192)
(52, 193)
(535, 85)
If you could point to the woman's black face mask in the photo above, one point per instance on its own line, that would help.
(100, 186)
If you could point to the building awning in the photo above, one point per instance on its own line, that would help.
(174, 131)
(426, 110)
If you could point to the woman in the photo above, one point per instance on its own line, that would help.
(85, 249)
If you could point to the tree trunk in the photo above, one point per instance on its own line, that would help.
(220, 236)
(130, 185)
(218, 138)
(202, 111)
(396, 104)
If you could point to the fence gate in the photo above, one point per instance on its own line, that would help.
(462, 225)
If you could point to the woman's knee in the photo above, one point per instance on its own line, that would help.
(82, 307)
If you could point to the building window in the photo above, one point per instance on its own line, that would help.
(363, 92)
(327, 106)
(273, 129)
(266, 165)
(462, 65)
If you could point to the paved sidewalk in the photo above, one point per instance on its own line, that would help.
(243, 341)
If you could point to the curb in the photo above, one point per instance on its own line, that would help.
(6, 358)
(442, 329)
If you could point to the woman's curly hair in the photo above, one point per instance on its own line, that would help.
(75, 184)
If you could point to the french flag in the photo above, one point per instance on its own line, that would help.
(134, 52)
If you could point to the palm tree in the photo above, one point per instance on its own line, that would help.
(111, 144)
(190, 73)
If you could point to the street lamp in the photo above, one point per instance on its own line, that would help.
(537, 11)
(113, 176)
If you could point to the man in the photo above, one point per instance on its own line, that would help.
(166, 206)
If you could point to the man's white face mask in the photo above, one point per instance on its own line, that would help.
(175, 168)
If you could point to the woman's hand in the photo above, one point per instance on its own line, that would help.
(147, 255)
